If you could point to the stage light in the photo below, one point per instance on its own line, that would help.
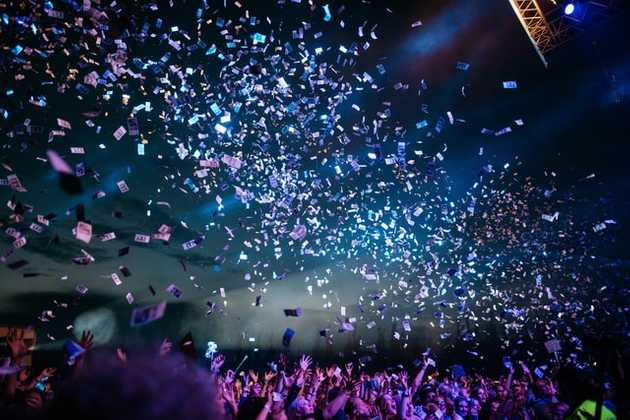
(569, 9)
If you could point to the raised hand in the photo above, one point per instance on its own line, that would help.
(319, 375)
(349, 369)
(269, 376)
(87, 339)
(165, 347)
(282, 362)
(524, 367)
(229, 377)
(253, 376)
(287, 380)
(229, 397)
(48, 372)
(404, 378)
(305, 362)
(15, 341)
(217, 362)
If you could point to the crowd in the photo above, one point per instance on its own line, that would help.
(101, 384)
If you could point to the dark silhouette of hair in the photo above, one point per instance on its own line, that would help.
(146, 387)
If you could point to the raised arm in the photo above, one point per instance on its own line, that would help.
(335, 405)
(19, 352)
(267, 378)
(316, 381)
(417, 381)
(215, 367)
(266, 408)
(87, 339)
(527, 372)
(508, 385)
(403, 406)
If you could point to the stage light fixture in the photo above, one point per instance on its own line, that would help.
(569, 9)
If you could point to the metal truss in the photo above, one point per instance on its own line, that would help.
(548, 29)
(536, 26)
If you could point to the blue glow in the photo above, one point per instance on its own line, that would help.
(569, 9)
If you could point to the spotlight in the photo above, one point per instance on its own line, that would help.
(575, 11)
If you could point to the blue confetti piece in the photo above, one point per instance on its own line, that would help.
(422, 124)
(327, 16)
(259, 38)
